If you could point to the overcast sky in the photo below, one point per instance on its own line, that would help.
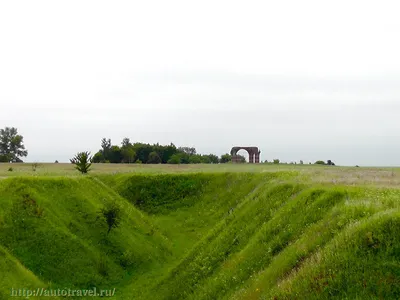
(302, 80)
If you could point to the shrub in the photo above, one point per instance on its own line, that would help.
(319, 162)
(82, 161)
(111, 213)
(10, 169)
(225, 158)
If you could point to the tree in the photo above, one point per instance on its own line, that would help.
(115, 155)
(82, 161)
(128, 154)
(142, 151)
(187, 150)
(98, 157)
(175, 159)
(127, 151)
(213, 158)
(225, 158)
(11, 145)
(276, 161)
(106, 148)
(195, 159)
(320, 162)
(154, 158)
(126, 142)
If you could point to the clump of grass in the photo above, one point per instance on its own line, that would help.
(34, 166)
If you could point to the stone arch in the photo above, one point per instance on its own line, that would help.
(254, 154)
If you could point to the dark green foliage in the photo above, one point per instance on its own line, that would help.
(154, 158)
(98, 157)
(10, 169)
(150, 154)
(82, 161)
(179, 158)
(142, 151)
(111, 213)
(128, 152)
(175, 159)
(11, 145)
(187, 150)
(276, 161)
(115, 155)
(225, 158)
(213, 158)
(319, 162)
(195, 159)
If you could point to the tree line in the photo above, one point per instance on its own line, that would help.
(12, 149)
(143, 153)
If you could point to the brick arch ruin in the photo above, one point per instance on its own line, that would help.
(254, 154)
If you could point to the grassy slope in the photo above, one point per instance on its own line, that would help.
(202, 236)
(51, 227)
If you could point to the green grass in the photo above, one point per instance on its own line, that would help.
(238, 232)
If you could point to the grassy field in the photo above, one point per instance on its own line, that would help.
(386, 177)
(203, 231)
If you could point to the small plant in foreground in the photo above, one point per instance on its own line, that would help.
(34, 166)
(82, 161)
(111, 213)
(10, 169)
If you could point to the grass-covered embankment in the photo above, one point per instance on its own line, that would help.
(202, 236)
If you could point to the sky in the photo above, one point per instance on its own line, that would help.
(301, 80)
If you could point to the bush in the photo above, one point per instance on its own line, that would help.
(82, 161)
(112, 215)
(319, 162)
(10, 169)
(276, 161)
(225, 158)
